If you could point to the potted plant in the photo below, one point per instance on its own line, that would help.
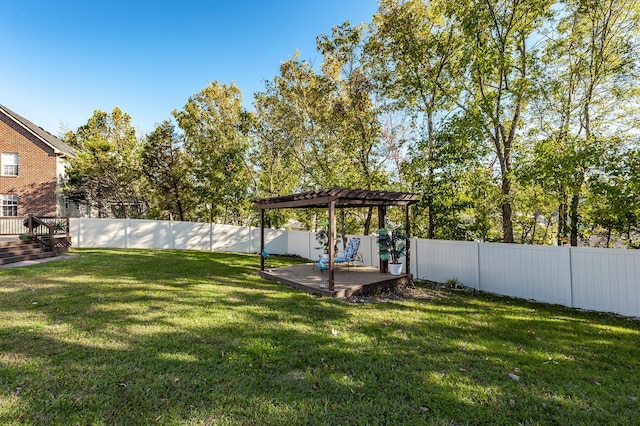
(61, 226)
(392, 245)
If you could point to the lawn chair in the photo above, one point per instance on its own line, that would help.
(350, 254)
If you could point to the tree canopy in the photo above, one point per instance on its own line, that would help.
(515, 121)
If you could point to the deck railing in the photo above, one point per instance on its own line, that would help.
(50, 232)
(11, 226)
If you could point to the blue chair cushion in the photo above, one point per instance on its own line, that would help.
(349, 252)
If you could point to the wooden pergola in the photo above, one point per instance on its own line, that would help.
(340, 198)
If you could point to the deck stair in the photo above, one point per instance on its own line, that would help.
(18, 251)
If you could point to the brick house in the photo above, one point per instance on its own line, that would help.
(32, 166)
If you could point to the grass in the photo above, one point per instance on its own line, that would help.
(124, 337)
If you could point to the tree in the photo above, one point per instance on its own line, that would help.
(293, 106)
(418, 46)
(354, 115)
(501, 73)
(215, 128)
(288, 153)
(482, 190)
(105, 175)
(591, 63)
(613, 208)
(164, 165)
(316, 127)
(438, 168)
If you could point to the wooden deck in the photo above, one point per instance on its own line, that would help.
(356, 280)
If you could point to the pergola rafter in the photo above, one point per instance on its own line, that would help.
(340, 198)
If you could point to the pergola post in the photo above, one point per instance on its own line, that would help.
(261, 239)
(407, 225)
(332, 242)
(382, 212)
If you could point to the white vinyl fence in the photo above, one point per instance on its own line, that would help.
(133, 233)
(606, 280)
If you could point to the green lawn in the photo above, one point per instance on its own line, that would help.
(181, 337)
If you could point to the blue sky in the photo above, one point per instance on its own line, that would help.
(61, 60)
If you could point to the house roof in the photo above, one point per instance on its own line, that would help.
(341, 196)
(58, 146)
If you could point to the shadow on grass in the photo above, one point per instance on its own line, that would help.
(137, 337)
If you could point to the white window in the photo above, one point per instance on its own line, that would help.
(9, 205)
(9, 164)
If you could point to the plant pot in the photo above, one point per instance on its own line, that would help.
(395, 268)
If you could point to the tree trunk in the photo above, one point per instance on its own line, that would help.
(367, 221)
(507, 223)
(562, 220)
(430, 212)
(176, 193)
(575, 201)
(432, 223)
(546, 229)
(535, 227)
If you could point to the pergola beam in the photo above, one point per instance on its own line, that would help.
(342, 197)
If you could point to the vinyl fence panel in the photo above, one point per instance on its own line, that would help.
(99, 233)
(301, 243)
(275, 241)
(231, 238)
(529, 272)
(150, 233)
(438, 260)
(369, 251)
(191, 236)
(606, 280)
